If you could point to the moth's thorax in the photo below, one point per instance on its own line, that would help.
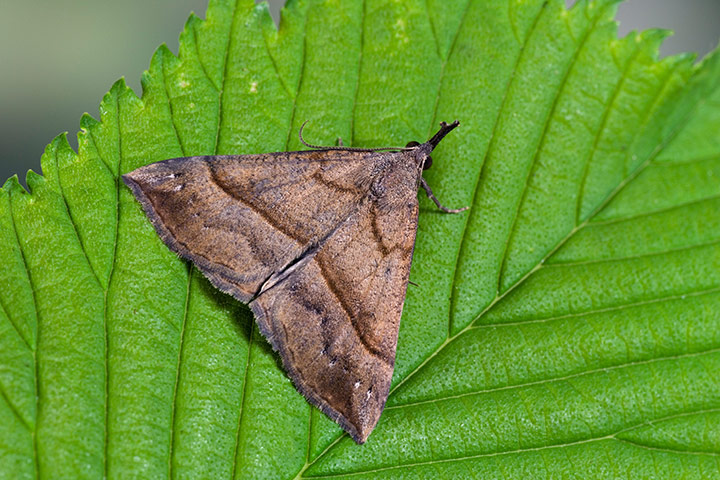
(398, 180)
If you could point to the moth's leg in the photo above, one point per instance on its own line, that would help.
(430, 195)
(340, 142)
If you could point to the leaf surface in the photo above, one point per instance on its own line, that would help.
(568, 324)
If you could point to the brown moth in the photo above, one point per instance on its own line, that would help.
(318, 242)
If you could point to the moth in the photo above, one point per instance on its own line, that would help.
(317, 242)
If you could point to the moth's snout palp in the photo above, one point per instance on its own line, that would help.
(444, 130)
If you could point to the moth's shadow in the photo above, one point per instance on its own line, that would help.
(242, 316)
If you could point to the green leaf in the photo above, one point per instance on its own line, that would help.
(568, 325)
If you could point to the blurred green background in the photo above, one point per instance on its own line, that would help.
(59, 57)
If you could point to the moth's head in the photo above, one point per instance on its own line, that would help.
(426, 159)
(422, 150)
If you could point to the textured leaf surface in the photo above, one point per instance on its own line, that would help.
(567, 325)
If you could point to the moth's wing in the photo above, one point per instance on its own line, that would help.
(241, 218)
(334, 315)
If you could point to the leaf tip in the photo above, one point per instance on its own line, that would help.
(713, 55)
(653, 39)
(87, 122)
(12, 184)
(57, 152)
(117, 88)
(58, 143)
(162, 51)
(59, 146)
(262, 10)
(192, 21)
(263, 6)
(33, 180)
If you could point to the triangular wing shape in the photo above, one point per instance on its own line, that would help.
(319, 242)
(242, 218)
(334, 315)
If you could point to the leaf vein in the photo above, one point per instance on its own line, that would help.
(666, 449)
(543, 138)
(689, 161)
(442, 75)
(610, 106)
(199, 57)
(632, 257)
(106, 289)
(14, 409)
(169, 101)
(650, 213)
(476, 189)
(4, 310)
(221, 90)
(173, 408)
(277, 70)
(36, 460)
(353, 125)
(72, 221)
(434, 33)
(610, 437)
(668, 298)
(236, 452)
(552, 380)
(303, 62)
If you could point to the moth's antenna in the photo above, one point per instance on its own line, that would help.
(354, 149)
